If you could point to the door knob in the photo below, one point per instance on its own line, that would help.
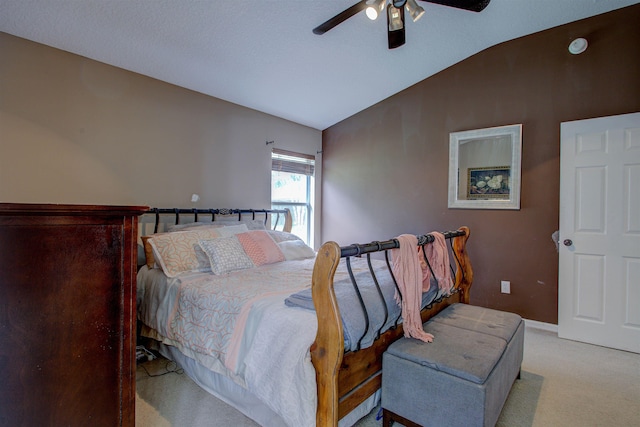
(567, 242)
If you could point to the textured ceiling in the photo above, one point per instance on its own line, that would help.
(262, 54)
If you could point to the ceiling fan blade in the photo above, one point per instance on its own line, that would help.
(340, 18)
(472, 5)
(395, 26)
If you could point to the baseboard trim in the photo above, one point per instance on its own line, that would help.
(541, 325)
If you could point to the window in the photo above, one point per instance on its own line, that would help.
(292, 187)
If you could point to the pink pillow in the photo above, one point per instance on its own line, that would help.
(260, 247)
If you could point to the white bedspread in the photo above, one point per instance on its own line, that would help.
(238, 325)
(207, 317)
(278, 366)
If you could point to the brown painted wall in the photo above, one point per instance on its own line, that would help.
(385, 170)
(74, 130)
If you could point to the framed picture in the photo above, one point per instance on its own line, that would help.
(484, 168)
(488, 183)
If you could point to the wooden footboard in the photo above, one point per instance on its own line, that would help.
(345, 380)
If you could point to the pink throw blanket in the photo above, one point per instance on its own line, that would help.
(409, 274)
(438, 257)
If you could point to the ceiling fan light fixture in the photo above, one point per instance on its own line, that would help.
(374, 7)
(395, 18)
(395, 26)
(415, 11)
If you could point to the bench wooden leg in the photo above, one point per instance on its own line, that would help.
(389, 417)
(386, 418)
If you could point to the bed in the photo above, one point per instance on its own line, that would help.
(263, 331)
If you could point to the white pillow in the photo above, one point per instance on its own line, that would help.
(296, 249)
(193, 225)
(252, 224)
(232, 230)
(282, 236)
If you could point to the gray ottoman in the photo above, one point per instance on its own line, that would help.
(462, 378)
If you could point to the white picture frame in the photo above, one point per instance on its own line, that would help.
(485, 168)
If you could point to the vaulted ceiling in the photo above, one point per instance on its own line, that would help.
(263, 55)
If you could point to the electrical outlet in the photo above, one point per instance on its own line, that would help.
(505, 287)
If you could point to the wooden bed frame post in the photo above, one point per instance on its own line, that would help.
(326, 355)
(288, 221)
(464, 272)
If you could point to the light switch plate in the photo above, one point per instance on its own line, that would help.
(505, 287)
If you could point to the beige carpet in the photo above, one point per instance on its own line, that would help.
(564, 383)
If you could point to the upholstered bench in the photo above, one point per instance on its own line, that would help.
(462, 378)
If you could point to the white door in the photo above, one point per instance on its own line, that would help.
(599, 271)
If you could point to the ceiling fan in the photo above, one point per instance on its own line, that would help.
(395, 14)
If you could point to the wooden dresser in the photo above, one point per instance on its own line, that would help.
(67, 315)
